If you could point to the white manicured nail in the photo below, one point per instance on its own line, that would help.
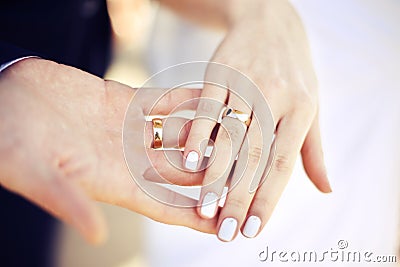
(227, 229)
(252, 226)
(209, 205)
(191, 160)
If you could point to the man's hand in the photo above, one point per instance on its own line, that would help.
(61, 146)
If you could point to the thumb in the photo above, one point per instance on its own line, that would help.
(65, 200)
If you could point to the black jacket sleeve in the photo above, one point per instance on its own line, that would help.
(71, 32)
(10, 53)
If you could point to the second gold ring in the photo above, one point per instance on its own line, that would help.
(237, 114)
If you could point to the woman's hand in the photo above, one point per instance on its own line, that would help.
(61, 146)
(266, 42)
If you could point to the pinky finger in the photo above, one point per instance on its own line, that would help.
(288, 141)
(313, 158)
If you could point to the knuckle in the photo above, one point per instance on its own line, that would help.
(200, 128)
(224, 135)
(276, 86)
(254, 154)
(236, 132)
(233, 130)
(282, 163)
(277, 83)
(195, 140)
(236, 204)
(205, 106)
(262, 203)
(305, 101)
(263, 207)
(164, 103)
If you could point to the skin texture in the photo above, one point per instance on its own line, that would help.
(265, 40)
(61, 128)
(61, 146)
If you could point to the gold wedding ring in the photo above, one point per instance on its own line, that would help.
(237, 114)
(157, 133)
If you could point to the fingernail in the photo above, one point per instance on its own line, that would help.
(227, 229)
(209, 205)
(252, 226)
(191, 160)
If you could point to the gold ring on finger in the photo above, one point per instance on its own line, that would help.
(157, 133)
(237, 114)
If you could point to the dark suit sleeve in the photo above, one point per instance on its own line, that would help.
(71, 32)
(10, 53)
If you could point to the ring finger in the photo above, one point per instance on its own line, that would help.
(228, 142)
